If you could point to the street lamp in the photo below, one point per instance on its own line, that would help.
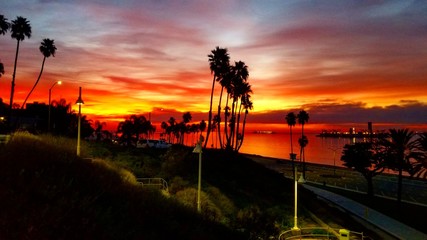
(335, 150)
(198, 149)
(80, 103)
(50, 94)
(295, 229)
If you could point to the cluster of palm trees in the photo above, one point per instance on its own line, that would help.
(291, 119)
(135, 126)
(234, 80)
(401, 150)
(176, 131)
(20, 29)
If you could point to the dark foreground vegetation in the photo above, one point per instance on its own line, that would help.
(47, 192)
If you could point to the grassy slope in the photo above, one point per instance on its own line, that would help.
(46, 192)
(49, 193)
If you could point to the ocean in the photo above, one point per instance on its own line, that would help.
(321, 150)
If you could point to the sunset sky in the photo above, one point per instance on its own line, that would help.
(341, 61)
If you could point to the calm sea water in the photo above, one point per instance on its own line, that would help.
(320, 150)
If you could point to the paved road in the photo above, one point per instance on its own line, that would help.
(385, 185)
(391, 226)
(414, 192)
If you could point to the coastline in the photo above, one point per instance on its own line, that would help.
(414, 190)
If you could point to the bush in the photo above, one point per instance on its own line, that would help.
(47, 192)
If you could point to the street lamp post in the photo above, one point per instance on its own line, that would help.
(50, 94)
(334, 149)
(295, 229)
(198, 149)
(80, 103)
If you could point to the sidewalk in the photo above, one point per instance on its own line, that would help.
(393, 227)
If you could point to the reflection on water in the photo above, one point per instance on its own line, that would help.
(319, 150)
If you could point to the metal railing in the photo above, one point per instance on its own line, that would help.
(320, 233)
(4, 138)
(154, 182)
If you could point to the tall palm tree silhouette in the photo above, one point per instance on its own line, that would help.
(303, 119)
(47, 48)
(20, 28)
(4, 25)
(400, 147)
(1, 69)
(291, 120)
(219, 63)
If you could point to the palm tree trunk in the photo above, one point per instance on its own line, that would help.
(12, 88)
(225, 123)
(292, 153)
(210, 114)
(303, 153)
(35, 84)
(399, 186)
(370, 186)
(12, 91)
(219, 117)
(243, 130)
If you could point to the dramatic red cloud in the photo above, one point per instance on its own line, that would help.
(136, 57)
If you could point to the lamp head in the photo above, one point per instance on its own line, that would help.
(80, 100)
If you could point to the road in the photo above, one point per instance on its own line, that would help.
(385, 185)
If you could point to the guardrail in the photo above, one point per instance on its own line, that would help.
(4, 138)
(320, 233)
(154, 182)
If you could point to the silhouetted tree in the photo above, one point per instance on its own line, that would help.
(60, 116)
(302, 119)
(20, 28)
(400, 147)
(125, 128)
(247, 105)
(4, 25)
(219, 65)
(47, 48)
(186, 118)
(291, 120)
(365, 158)
(237, 90)
(420, 166)
(1, 69)
(98, 129)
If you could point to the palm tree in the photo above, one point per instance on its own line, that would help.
(4, 25)
(291, 120)
(399, 149)
(239, 88)
(1, 69)
(20, 29)
(364, 158)
(247, 105)
(302, 119)
(420, 166)
(98, 129)
(47, 48)
(219, 63)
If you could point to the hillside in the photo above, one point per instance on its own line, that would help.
(46, 192)
(49, 193)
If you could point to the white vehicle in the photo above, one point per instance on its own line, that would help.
(162, 144)
(150, 143)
